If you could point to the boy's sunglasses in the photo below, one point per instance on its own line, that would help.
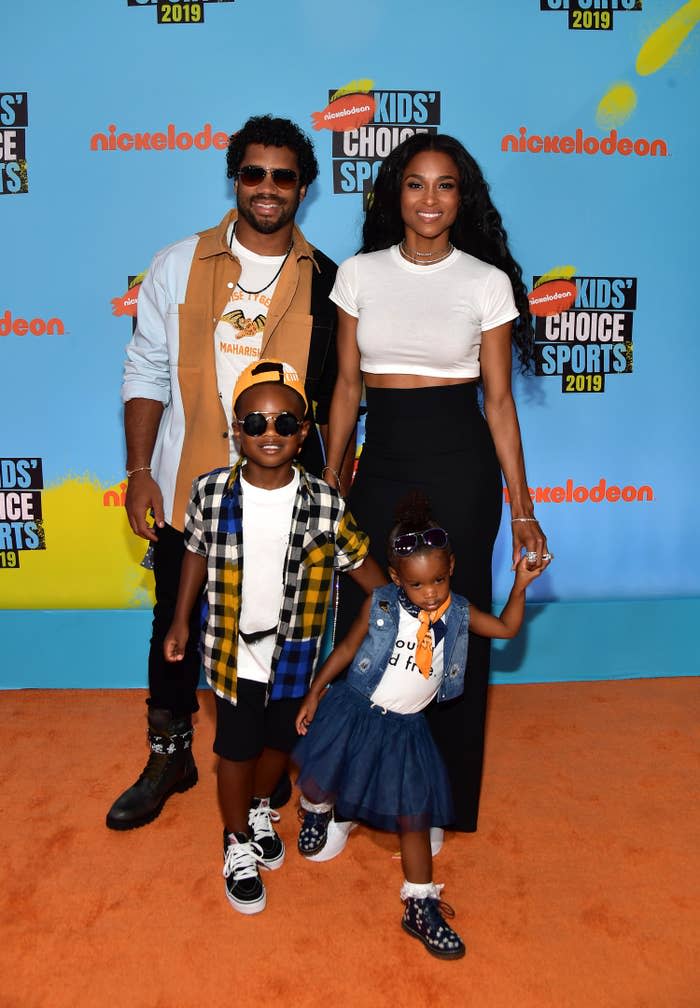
(255, 424)
(409, 542)
(252, 175)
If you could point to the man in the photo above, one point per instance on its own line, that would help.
(210, 305)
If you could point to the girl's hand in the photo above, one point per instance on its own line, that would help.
(529, 536)
(175, 641)
(306, 713)
(525, 571)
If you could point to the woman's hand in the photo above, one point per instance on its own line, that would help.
(528, 536)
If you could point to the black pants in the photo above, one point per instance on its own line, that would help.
(172, 685)
(436, 439)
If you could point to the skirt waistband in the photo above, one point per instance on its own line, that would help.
(435, 419)
(358, 699)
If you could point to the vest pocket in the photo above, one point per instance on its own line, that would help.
(195, 340)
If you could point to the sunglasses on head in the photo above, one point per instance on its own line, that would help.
(255, 424)
(409, 542)
(252, 175)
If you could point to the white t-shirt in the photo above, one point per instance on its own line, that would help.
(238, 337)
(403, 688)
(424, 320)
(267, 522)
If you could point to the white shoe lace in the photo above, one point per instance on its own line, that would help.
(242, 860)
(260, 820)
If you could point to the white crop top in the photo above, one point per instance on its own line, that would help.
(424, 320)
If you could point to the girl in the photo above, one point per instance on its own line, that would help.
(370, 753)
(430, 310)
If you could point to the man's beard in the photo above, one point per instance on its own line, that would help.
(267, 225)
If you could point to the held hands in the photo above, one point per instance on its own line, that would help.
(175, 641)
(143, 495)
(526, 572)
(528, 536)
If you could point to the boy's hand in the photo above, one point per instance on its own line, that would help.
(306, 713)
(524, 574)
(175, 641)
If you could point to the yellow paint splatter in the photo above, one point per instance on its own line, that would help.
(616, 105)
(667, 39)
(92, 557)
(557, 273)
(362, 86)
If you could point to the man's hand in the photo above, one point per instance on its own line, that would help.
(143, 495)
(175, 641)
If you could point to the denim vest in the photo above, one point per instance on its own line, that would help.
(371, 660)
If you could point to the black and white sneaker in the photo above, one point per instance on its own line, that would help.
(244, 887)
(260, 820)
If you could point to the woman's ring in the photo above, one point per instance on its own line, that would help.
(547, 556)
(531, 556)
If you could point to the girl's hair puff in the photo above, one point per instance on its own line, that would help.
(413, 514)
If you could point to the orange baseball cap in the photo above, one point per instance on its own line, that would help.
(269, 370)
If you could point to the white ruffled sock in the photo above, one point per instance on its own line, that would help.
(310, 807)
(421, 890)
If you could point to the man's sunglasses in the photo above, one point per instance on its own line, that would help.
(409, 542)
(255, 424)
(252, 175)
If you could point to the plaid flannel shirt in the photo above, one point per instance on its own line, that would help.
(323, 537)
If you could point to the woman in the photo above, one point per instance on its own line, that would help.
(431, 307)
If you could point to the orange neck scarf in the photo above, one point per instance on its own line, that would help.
(424, 638)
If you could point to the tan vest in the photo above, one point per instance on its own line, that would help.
(287, 336)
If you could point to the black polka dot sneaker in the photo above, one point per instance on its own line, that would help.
(423, 919)
(314, 831)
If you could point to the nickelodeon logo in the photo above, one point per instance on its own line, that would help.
(598, 494)
(35, 326)
(170, 139)
(580, 144)
(115, 497)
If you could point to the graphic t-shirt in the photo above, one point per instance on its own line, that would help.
(267, 522)
(403, 688)
(238, 337)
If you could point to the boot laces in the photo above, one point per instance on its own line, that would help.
(260, 820)
(439, 931)
(242, 860)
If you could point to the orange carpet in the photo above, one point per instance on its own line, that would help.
(580, 888)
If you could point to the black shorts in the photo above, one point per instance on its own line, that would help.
(244, 729)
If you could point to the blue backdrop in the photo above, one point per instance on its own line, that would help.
(113, 126)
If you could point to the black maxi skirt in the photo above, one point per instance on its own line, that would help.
(436, 439)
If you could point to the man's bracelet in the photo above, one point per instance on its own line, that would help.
(130, 472)
(523, 519)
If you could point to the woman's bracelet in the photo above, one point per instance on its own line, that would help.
(335, 473)
(131, 472)
(523, 519)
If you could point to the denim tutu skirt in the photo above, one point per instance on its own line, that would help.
(373, 765)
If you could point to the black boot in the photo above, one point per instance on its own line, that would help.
(170, 768)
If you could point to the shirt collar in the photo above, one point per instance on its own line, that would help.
(233, 480)
(215, 241)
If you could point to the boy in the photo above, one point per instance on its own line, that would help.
(265, 616)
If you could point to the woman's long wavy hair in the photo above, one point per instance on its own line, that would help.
(477, 230)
